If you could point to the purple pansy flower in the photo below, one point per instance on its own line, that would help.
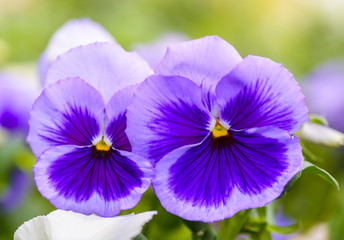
(324, 89)
(16, 193)
(77, 128)
(16, 99)
(217, 128)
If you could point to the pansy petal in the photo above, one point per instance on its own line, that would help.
(260, 92)
(217, 178)
(204, 61)
(116, 120)
(89, 181)
(69, 112)
(69, 225)
(72, 34)
(76, 226)
(107, 67)
(166, 113)
(38, 228)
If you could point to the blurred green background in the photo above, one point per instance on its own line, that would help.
(298, 33)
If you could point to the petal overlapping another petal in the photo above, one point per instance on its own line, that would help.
(166, 113)
(259, 92)
(69, 112)
(116, 120)
(204, 61)
(217, 178)
(107, 67)
(72, 34)
(89, 181)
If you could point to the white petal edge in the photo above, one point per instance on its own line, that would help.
(68, 225)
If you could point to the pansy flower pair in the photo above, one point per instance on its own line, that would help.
(211, 131)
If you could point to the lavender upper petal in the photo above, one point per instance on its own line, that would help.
(166, 113)
(69, 112)
(89, 181)
(74, 33)
(259, 92)
(215, 179)
(107, 67)
(204, 61)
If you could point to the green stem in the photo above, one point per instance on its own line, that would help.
(231, 227)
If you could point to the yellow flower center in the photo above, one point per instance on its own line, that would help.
(219, 130)
(102, 146)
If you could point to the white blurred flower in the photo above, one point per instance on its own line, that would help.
(67, 225)
(321, 134)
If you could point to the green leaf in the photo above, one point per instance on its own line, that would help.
(283, 230)
(290, 184)
(309, 168)
(308, 155)
(140, 237)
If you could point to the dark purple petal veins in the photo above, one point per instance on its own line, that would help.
(259, 92)
(76, 126)
(255, 106)
(176, 124)
(207, 173)
(116, 133)
(85, 171)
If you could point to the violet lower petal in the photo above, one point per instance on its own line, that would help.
(259, 92)
(89, 181)
(107, 67)
(166, 113)
(204, 61)
(217, 178)
(116, 120)
(69, 112)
